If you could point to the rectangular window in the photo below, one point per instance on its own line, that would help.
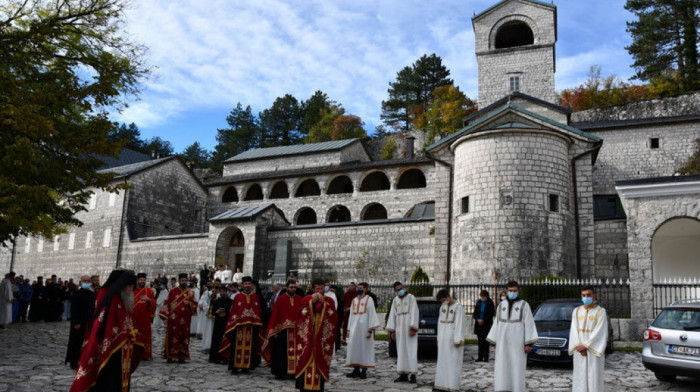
(71, 241)
(465, 204)
(88, 240)
(40, 245)
(93, 201)
(112, 199)
(553, 202)
(654, 143)
(56, 243)
(27, 245)
(107, 240)
(515, 83)
(608, 207)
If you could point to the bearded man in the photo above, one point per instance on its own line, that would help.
(105, 362)
(144, 312)
(178, 310)
(241, 341)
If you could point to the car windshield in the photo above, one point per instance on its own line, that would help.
(555, 311)
(429, 309)
(682, 319)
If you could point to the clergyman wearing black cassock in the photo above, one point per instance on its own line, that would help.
(82, 306)
(219, 309)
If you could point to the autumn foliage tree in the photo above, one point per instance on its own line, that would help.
(444, 114)
(598, 91)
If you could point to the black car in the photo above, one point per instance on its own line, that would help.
(429, 312)
(553, 321)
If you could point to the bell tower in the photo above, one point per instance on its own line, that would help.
(515, 50)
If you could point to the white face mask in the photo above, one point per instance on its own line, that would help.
(503, 298)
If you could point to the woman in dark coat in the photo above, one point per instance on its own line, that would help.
(484, 311)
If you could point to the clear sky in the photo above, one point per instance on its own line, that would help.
(208, 55)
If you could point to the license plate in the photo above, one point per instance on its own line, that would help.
(548, 353)
(426, 331)
(683, 350)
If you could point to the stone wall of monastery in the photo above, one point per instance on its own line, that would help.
(611, 258)
(167, 254)
(686, 104)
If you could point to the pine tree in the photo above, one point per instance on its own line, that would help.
(242, 134)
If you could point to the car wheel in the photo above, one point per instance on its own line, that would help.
(665, 377)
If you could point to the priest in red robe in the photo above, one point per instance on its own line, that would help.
(177, 312)
(241, 340)
(144, 311)
(317, 325)
(278, 349)
(105, 362)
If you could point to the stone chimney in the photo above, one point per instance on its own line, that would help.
(410, 141)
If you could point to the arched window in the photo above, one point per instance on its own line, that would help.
(254, 193)
(230, 195)
(308, 188)
(338, 214)
(279, 190)
(411, 178)
(374, 212)
(306, 216)
(340, 184)
(514, 33)
(376, 181)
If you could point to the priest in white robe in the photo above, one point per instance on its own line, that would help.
(361, 325)
(403, 327)
(513, 332)
(587, 339)
(158, 323)
(206, 321)
(6, 299)
(452, 328)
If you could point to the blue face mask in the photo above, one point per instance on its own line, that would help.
(85, 285)
(587, 300)
(360, 292)
(401, 293)
(512, 296)
(326, 289)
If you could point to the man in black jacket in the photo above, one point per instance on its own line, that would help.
(484, 311)
(82, 306)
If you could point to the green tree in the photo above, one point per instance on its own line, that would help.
(280, 124)
(130, 135)
(158, 147)
(443, 116)
(63, 65)
(313, 111)
(665, 42)
(242, 134)
(412, 91)
(196, 155)
(348, 126)
(322, 131)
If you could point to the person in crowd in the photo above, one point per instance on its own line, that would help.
(95, 283)
(6, 300)
(237, 277)
(219, 309)
(372, 295)
(144, 312)
(328, 293)
(241, 340)
(349, 295)
(83, 304)
(36, 309)
(174, 282)
(316, 323)
(178, 310)
(15, 295)
(279, 345)
(194, 323)
(227, 275)
(513, 333)
(25, 297)
(53, 300)
(362, 323)
(402, 325)
(341, 312)
(67, 289)
(162, 293)
(203, 276)
(206, 320)
(588, 337)
(105, 361)
(219, 274)
(483, 320)
(451, 331)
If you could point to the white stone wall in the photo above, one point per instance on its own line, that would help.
(611, 259)
(169, 255)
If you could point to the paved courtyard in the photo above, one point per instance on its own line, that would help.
(32, 354)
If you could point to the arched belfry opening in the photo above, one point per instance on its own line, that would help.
(514, 33)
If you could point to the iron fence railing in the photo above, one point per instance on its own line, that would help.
(671, 290)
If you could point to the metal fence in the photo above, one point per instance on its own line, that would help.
(612, 295)
(668, 291)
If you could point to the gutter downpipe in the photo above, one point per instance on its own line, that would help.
(122, 227)
(448, 275)
(577, 219)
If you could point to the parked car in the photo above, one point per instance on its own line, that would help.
(553, 321)
(671, 344)
(429, 312)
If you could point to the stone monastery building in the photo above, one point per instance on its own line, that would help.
(525, 189)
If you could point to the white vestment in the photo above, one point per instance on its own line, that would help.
(403, 317)
(363, 317)
(5, 302)
(332, 296)
(194, 322)
(226, 276)
(452, 329)
(162, 296)
(511, 333)
(206, 323)
(219, 274)
(590, 328)
(237, 277)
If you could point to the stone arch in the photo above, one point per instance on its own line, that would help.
(279, 190)
(411, 178)
(230, 195)
(305, 216)
(375, 181)
(675, 245)
(373, 211)
(254, 192)
(509, 29)
(230, 248)
(308, 187)
(340, 184)
(338, 213)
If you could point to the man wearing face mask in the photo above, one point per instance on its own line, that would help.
(361, 325)
(403, 327)
(452, 327)
(83, 303)
(587, 339)
(513, 332)
(328, 293)
(280, 342)
(483, 320)
(240, 342)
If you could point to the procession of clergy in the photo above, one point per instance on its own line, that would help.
(299, 339)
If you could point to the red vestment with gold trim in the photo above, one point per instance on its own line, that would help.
(178, 310)
(283, 317)
(317, 324)
(240, 336)
(144, 311)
